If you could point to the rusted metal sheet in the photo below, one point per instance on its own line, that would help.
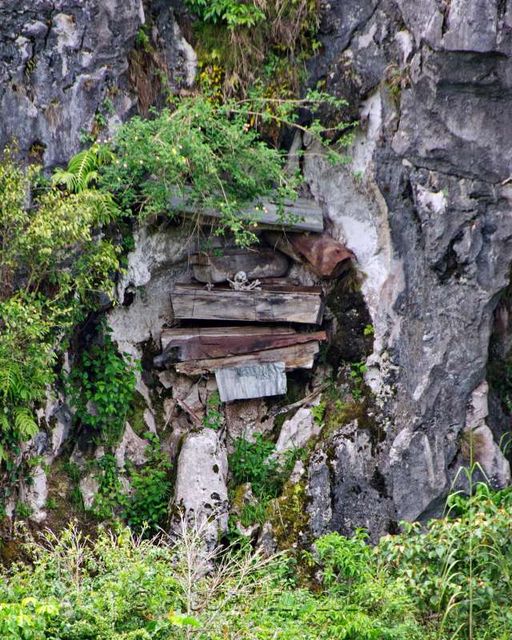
(251, 381)
(272, 303)
(256, 263)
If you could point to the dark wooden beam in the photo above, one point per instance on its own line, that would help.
(201, 343)
(298, 356)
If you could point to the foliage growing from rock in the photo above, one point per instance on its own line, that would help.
(253, 462)
(257, 463)
(199, 153)
(102, 387)
(210, 157)
(52, 269)
(145, 508)
(243, 43)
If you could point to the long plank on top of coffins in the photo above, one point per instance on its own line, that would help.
(272, 303)
(297, 356)
(251, 381)
(302, 214)
(200, 343)
(223, 265)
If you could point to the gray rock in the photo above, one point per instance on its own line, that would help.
(345, 487)
(60, 62)
(428, 217)
(482, 448)
(34, 493)
(154, 266)
(132, 448)
(201, 494)
(246, 418)
(89, 487)
(418, 472)
(297, 431)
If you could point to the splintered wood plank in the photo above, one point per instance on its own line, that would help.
(299, 356)
(251, 381)
(256, 263)
(302, 214)
(201, 343)
(274, 303)
(327, 257)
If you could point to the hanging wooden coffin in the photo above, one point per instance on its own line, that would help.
(257, 263)
(302, 214)
(297, 356)
(271, 303)
(326, 256)
(197, 343)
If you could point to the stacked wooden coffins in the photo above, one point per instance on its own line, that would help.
(246, 323)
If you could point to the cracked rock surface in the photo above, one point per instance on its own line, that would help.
(430, 222)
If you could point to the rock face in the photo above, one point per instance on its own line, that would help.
(297, 431)
(427, 215)
(65, 69)
(425, 206)
(201, 493)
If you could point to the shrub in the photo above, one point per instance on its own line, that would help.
(255, 41)
(198, 152)
(145, 509)
(253, 462)
(52, 268)
(102, 387)
(460, 571)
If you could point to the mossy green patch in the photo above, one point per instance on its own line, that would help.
(288, 516)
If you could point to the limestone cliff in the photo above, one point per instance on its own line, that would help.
(425, 205)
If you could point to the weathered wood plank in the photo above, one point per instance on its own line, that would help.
(299, 356)
(273, 303)
(251, 381)
(327, 257)
(256, 263)
(191, 333)
(200, 343)
(300, 215)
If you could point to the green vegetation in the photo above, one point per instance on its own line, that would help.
(102, 387)
(233, 13)
(204, 156)
(356, 375)
(145, 509)
(214, 417)
(450, 582)
(257, 463)
(144, 506)
(242, 45)
(53, 267)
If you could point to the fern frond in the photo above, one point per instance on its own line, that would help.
(11, 380)
(25, 424)
(82, 169)
(4, 421)
(67, 179)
